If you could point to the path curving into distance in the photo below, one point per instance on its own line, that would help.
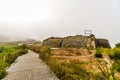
(29, 67)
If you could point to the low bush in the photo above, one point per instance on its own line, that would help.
(10, 58)
(117, 45)
(23, 46)
(35, 48)
(3, 72)
(45, 53)
(0, 50)
(116, 66)
(22, 51)
(115, 54)
(98, 53)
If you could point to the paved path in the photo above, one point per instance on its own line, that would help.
(29, 67)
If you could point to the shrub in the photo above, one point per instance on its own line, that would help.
(98, 53)
(117, 45)
(35, 48)
(3, 65)
(45, 53)
(0, 50)
(115, 54)
(116, 66)
(22, 51)
(23, 46)
(10, 58)
(2, 74)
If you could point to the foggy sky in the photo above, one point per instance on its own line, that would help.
(40, 19)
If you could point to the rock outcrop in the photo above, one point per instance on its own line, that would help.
(77, 41)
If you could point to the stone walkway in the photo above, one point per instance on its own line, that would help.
(29, 67)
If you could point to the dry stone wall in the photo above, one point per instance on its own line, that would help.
(102, 43)
(53, 42)
(77, 41)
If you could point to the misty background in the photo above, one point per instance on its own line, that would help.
(40, 19)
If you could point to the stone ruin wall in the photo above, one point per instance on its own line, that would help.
(77, 41)
(53, 42)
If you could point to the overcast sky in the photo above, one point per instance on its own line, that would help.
(40, 19)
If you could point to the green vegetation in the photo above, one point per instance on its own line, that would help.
(116, 66)
(117, 45)
(8, 53)
(45, 53)
(69, 70)
(3, 65)
(98, 53)
(35, 48)
(115, 54)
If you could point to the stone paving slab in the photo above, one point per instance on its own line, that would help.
(29, 67)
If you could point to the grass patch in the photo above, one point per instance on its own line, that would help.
(115, 54)
(66, 69)
(69, 70)
(8, 55)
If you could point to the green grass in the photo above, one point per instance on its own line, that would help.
(8, 54)
(71, 70)
(3, 65)
(115, 54)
